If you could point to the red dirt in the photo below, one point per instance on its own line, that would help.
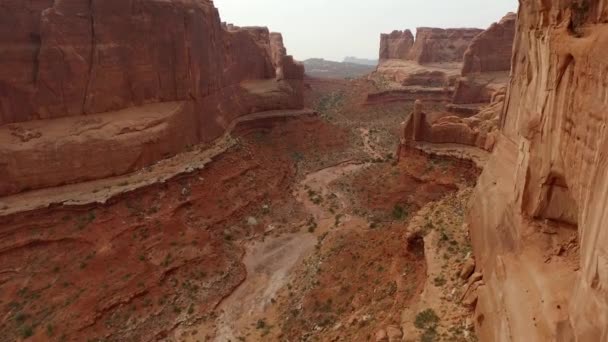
(151, 260)
(362, 277)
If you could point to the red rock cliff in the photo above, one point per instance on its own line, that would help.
(75, 57)
(70, 58)
(441, 45)
(492, 49)
(432, 45)
(538, 220)
(396, 45)
(487, 63)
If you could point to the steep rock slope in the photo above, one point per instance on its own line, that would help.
(538, 219)
(441, 45)
(492, 49)
(487, 62)
(396, 45)
(432, 45)
(70, 58)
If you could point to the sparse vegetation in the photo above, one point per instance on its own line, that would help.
(580, 13)
(26, 331)
(329, 104)
(427, 321)
(83, 221)
(399, 213)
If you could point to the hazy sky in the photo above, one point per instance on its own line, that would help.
(333, 29)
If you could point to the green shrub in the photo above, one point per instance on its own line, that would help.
(426, 319)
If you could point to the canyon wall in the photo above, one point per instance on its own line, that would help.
(538, 218)
(432, 45)
(487, 62)
(70, 59)
(479, 130)
(435, 45)
(491, 50)
(396, 45)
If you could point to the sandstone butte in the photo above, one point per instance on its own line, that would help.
(485, 72)
(487, 62)
(473, 86)
(92, 89)
(538, 218)
(432, 45)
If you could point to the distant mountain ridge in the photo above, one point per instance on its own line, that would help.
(362, 61)
(318, 67)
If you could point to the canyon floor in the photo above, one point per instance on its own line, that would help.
(304, 228)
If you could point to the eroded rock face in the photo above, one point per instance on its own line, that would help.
(435, 45)
(67, 59)
(491, 50)
(487, 63)
(538, 219)
(81, 57)
(443, 128)
(432, 45)
(396, 45)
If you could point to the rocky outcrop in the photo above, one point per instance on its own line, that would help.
(443, 128)
(432, 45)
(69, 59)
(433, 61)
(396, 45)
(435, 45)
(492, 49)
(487, 63)
(538, 219)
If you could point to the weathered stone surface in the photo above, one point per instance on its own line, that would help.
(477, 130)
(432, 45)
(487, 63)
(396, 45)
(79, 57)
(435, 45)
(550, 159)
(467, 269)
(381, 336)
(97, 146)
(95, 56)
(394, 333)
(492, 49)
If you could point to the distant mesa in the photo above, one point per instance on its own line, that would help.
(431, 45)
(318, 67)
(362, 61)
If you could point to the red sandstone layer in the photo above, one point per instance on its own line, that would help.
(72, 59)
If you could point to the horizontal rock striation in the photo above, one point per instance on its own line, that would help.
(538, 219)
(487, 63)
(396, 45)
(432, 45)
(443, 128)
(435, 45)
(492, 49)
(75, 58)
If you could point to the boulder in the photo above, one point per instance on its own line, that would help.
(394, 333)
(492, 49)
(467, 269)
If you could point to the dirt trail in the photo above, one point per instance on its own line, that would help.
(270, 262)
(367, 143)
